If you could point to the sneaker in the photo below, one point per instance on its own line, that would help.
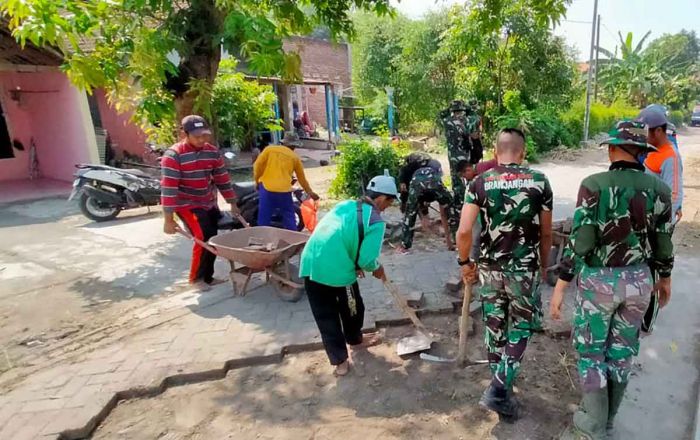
(501, 402)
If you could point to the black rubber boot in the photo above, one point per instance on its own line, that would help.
(501, 401)
(616, 391)
(591, 418)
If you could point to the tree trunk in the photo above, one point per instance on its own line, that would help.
(200, 61)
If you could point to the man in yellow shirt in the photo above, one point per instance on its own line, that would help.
(273, 172)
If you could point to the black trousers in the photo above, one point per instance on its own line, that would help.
(339, 313)
(202, 223)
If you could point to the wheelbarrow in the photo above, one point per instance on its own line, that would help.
(261, 249)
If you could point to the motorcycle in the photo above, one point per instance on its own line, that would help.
(105, 191)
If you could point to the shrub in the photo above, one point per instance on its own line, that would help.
(678, 117)
(542, 125)
(421, 128)
(602, 117)
(360, 160)
(241, 107)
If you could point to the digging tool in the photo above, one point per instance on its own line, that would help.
(411, 344)
(462, 360)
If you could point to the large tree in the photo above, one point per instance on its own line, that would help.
(160, 57)
(514, 50)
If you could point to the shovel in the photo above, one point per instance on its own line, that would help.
(462, 360)
(419, 341)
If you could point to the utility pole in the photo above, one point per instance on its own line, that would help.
(587, 116)
(597, 53)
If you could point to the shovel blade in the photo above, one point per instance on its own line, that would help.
(413, 344)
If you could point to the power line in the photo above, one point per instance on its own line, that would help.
(578, 21)
(609, 31)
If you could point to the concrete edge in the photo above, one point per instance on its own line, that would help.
(220, 373)
(234, 364)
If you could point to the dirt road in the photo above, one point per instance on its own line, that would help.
(384, 397)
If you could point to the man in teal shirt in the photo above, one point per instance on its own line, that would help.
(339, 251)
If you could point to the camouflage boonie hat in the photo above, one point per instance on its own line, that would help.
(458, 106)
(628, 133)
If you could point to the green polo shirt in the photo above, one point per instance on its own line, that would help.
(329, 255)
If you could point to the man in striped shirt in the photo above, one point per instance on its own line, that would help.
(190, 171)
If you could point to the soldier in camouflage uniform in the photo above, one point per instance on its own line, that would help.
(621, 232)
(463, 144)
(411, 163)
(421, 180)
(514, 204)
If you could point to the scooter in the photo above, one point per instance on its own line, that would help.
(105, 191)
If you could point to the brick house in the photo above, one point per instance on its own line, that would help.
(321, 61)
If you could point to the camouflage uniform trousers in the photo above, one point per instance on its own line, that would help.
(426, 184)
(459, 186)
(610, 305)
(509, 305)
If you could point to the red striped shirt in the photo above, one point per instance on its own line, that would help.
(189, 176)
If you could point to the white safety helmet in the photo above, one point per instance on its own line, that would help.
(384, 184)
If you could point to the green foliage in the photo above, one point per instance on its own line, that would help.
(157, 57)
(360, 161)
(513, 51)
(601, 120)
(421, 128)
(665, 72)
(542, 125)
(679, 117)
(241, 107)
(403, 54)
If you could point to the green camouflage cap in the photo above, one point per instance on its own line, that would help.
(629, 133)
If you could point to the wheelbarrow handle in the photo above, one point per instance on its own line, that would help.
(202, 243)
(240, 218)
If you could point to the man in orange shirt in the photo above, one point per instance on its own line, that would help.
(273, 171)
(665, 163)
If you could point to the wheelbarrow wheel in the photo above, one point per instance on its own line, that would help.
(287, 293)
(284, 291)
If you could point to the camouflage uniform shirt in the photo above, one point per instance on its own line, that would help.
(510, 199)
(622, 218)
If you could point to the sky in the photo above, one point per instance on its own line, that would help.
(636, 16)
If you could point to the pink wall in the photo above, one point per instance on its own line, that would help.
(121, 130)
(56, 120)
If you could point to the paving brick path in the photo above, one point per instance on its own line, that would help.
(207, 339)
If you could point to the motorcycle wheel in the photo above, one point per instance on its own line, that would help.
(97, 211)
